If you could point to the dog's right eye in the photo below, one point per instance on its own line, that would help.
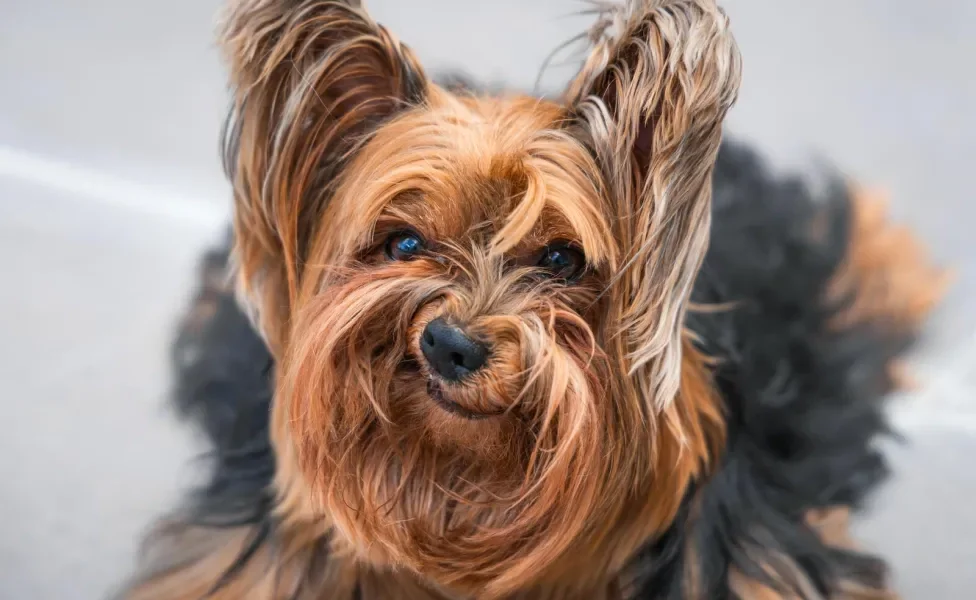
(563, 261)
(404, 245)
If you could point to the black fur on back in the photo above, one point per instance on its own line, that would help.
(223, 386)
(803, 401)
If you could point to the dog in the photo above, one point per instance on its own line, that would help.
(467, 345)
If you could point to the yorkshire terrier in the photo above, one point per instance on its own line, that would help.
(491, 346)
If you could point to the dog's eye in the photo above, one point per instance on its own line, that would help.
(563, 262)
(404, 245)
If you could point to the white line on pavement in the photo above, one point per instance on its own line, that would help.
(107, 189)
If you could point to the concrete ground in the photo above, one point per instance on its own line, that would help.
(110, 187)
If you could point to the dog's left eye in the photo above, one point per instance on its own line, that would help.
(404, 245)
(563, 262)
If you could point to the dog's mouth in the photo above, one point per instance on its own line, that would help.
(442, 397)
(458, 399)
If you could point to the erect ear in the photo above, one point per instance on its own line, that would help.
(651, 99)
(311, 80)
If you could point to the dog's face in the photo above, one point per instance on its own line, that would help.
(475, 304)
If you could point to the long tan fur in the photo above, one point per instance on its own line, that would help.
(599, 413)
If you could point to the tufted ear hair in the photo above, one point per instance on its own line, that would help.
(650, 101)
(311, 80)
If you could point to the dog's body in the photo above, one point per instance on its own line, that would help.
(801, 306)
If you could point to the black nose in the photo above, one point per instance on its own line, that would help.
(450, 352)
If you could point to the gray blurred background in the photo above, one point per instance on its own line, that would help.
(110, 187)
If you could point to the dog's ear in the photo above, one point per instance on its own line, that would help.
(650, 100)
(311, 80)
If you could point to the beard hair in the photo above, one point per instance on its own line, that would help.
(474, 505)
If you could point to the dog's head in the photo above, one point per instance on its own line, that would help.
(476, 304)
